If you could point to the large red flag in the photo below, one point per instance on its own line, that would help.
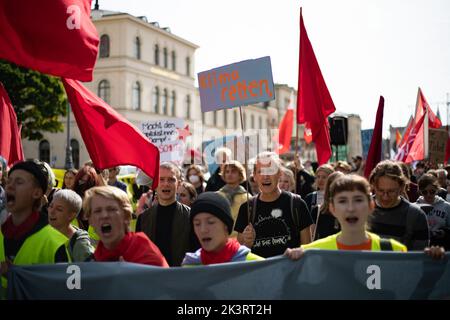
(374, 155)
(421, 107)
(402, 151)
(314, 103)
(51, 36)
(109, 138)
(416, 150)
(286, 127)
(10, 142)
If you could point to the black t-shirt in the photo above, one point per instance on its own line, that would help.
(274, 226)
(163, 236)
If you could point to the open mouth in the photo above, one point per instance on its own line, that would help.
(166, 191)
(106, 228)
(352, 220)
(266, 184)
(206, 240)
(10, 199)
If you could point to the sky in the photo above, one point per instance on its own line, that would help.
(365, 48)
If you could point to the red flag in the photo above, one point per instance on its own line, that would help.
(110, 139)
(421, 107)
(285, 131)
(374, 155)
(10, 142)
(314, 103)
(51, 36)
(307, 134)
(415, 144)
(402, 153)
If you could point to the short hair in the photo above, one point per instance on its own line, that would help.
(71, 198)
(426, 180)
(108, 192)
(327, 168)
(234, 164)
(220, 151)
(342, 165)
(389, 169)
(350, 182)
(267, 157)
(172, 167)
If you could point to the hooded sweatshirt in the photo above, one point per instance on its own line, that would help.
(439, 217)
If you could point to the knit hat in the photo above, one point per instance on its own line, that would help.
(37, 169)
(215, 204)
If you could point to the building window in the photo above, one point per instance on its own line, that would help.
(156, 100)
(165, 102)
(252, 119)
(260, 123)
(188, 66)
(173, 104)
(137, 48)
(104, 46)
(225, 118)
(174, 61)
(215, 118)
(166, 58)
(203, 117)
(104, 91)
(75, 145)
(44, 151)
(156, 54)
(136, 98)
(188, 106)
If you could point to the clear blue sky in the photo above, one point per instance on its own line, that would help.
(364, 47)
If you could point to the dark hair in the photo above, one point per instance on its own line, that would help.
(94, 180)
(199, 172)
(351, 182)
(72, 171)
(389, 169)
(190, 188)
(426, 180)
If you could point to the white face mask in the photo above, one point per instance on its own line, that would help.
(194, 179)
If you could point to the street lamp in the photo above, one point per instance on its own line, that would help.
(69, 162)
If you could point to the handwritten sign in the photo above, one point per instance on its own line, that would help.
(437, 142)
(164, 134)
(238, 84)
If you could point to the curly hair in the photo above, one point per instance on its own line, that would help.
(389, 169)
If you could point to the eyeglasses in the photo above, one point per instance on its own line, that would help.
(428, 192)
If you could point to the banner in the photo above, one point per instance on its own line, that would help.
(238, 84)
(437, 142)
(165, 135)
(320, 274)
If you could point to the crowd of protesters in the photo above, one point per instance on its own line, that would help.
(195, 217)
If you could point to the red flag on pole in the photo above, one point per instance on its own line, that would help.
(307, 134)
(109, 138)
(10, 142)
(374, 155)
(51, 36)
(422, 106)
(415, 144)
(314, 103)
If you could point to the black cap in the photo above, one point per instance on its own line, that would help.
(37, 169)
(215, 204)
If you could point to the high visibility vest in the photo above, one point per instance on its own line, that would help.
(330, 243)
(39, 248)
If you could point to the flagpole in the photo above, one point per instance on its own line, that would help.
(296, 155)
(245, 161)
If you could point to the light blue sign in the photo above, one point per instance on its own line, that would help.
(238, 84)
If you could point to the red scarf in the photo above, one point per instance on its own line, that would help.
(13, 232)
(134, 247)
(223, 256)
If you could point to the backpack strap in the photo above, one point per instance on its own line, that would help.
(385, 245)
(294, 210)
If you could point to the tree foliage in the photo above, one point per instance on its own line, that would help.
(38, 99)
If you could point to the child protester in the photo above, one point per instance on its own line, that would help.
(351, 204)
(212, 223)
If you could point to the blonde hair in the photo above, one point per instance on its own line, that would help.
(234, 164)
(108, 192)
(290, 176)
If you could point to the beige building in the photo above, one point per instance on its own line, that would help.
(146, 73)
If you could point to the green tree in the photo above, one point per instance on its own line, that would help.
(38, 99)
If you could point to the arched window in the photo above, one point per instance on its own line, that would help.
(252, 119)
(104, 91)
(188, 66)
(174, 61)
(166, 58)
(156, 54)
(165, 102)
(188, 106)
(136, 97)
(137, 48)
(173, 104)
(44, 151)
(75, 145)
(104, 46)
(156, 100)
